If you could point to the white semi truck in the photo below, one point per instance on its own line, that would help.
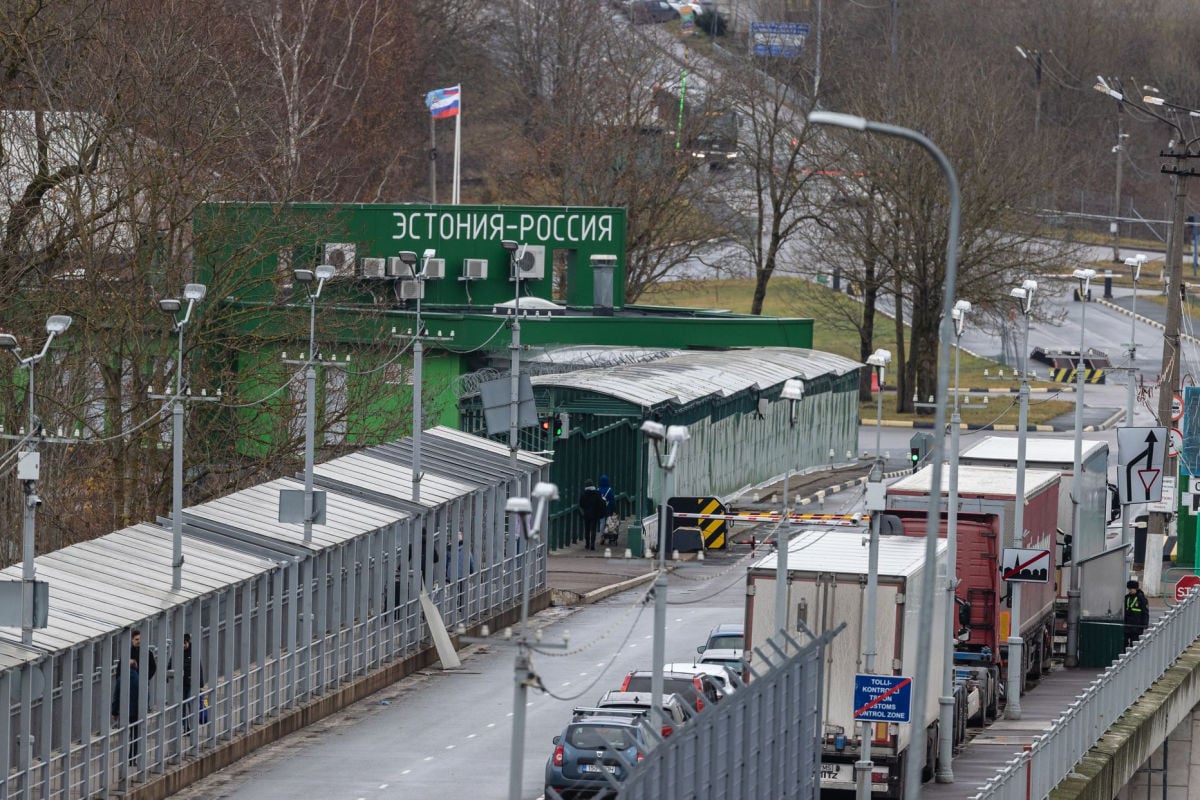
(827, 576)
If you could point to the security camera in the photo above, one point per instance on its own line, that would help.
(33, 501)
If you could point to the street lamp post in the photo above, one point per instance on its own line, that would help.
(29, 469)
(1023, 294)
(521, 508)
(912, 776)
(945, 767)
(305, 277)
(1084, 276)
(192, 293)
(1135, 272)
(879, 360)
(793, 392)
(673, 436)
(514, 398)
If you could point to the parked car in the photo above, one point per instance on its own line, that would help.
(732, 660)
(696, 689)
(726, 636)
(676, 710)
(726, 685)
(650, 11)
(592, 747)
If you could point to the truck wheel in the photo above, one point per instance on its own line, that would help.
(931, 750)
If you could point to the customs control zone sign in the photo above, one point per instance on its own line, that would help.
(882, 698)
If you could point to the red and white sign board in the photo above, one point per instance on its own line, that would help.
(1184, 585)
(1176, 408)
(1174, 442)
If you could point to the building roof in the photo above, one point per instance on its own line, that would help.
(690, 376)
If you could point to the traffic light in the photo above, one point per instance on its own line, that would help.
(545, 423)
(563, 429)
(918, 448)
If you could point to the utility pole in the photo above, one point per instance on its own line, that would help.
(1174, 264)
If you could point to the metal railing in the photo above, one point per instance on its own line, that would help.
(1035, 772)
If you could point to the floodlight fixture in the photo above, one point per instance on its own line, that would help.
(1029, 285)
(303, 275)
(1084, 274)
(325, 272)
(1151, 100)
(543, 490)
(793, 389)
(677, 434)
(429, 253)
(518, 505)
(408, 257)
(194, 292)
(8, 342)
(880, 358)
(836, 119)
(654, 430)
(57, 323)
(509, 245)
(169, 305)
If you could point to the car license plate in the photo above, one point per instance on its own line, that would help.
(837, 776)
(598, 768)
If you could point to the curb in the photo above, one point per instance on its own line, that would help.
(570, 598)
(1151, 322)
(904, 423)
(843, 486)
(998, 426)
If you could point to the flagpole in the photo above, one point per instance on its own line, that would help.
(432, 159)
(458, 147)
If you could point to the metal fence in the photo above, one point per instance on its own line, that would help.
(273, 623)
(762, 741)
(1035, 772)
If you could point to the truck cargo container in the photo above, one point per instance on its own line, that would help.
(986, 506)
(827, 586)
(1059, 455)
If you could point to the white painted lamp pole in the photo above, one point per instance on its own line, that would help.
(1084, 276)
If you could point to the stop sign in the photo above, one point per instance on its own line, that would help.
(1184, 585)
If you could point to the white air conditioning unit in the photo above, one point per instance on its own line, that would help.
(529, 263)
(435, 268)
(412, 290)
(372, 267)
(342, 257)
(475, 269)
(396, 268)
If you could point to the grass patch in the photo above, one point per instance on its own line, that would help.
(834, 332)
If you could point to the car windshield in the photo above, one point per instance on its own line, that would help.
(683, 686)
(726, 641)
(600, 737)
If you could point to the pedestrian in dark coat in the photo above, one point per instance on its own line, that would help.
(1137, 612)
(594, 509)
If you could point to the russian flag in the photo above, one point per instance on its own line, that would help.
(443, 103)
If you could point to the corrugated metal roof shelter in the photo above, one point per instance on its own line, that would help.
(742, 433)
(271, 621)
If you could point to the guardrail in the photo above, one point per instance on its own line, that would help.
(1035, 772)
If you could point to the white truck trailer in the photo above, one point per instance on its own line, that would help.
(827, 576)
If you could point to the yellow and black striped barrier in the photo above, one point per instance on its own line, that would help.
(1068, 375)
(711, 515)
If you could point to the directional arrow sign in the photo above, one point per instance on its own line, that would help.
(1141, 459)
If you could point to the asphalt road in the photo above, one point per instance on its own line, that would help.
(446, 735)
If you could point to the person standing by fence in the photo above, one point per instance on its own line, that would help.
(593, 508)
